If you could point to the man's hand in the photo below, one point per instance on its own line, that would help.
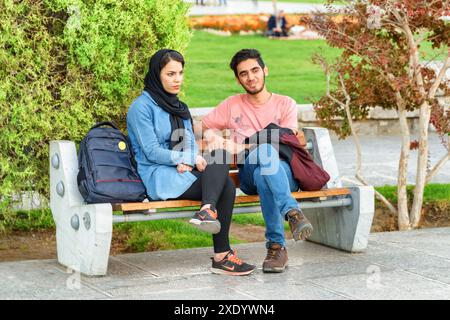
(181, 168)
(200, 163)
(216, 142)
(233, 147)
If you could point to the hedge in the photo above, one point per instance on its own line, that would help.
(66, 64)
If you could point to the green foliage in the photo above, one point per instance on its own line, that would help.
(30, 220)
(291, 71)
(249, 218)
(253, 219)
(380, 42)
(66, 64)
(164, 235)
(433, 192)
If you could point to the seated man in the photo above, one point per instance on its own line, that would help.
(261, 171)
(277, 25)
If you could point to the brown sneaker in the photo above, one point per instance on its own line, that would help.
(276, 259)
(300, 226)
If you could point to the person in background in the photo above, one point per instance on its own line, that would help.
(277, 25)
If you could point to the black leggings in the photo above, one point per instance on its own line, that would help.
(214, 186)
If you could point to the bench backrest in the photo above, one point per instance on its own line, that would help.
(318, 143)
(64, 167)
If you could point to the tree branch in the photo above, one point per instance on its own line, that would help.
(346, 106)
(439, 164)
(437, 167)
(439, 77)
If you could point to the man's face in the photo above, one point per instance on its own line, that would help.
(251, 76)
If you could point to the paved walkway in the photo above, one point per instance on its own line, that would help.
(252, 7)
(397, 265)
(380, 156)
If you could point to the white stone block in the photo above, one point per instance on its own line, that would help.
(83, 232)
(345, 228)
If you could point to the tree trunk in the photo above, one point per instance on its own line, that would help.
(402, 202)
(422, 160)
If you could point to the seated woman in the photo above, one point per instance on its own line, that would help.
(162, 138)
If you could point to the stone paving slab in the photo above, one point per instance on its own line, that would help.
(41, 279)
(419, 240)
(398, 285)
(380, 156)
(396, 265)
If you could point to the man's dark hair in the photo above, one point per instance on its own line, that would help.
(243, 55)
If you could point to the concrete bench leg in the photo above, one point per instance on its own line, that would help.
(345, 228)
(342, 228)
(83, 232)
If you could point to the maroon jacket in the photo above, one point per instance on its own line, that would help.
(310, 176)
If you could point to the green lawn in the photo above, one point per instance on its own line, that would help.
(165, 235)
(433, 193)
(177, 233)
(209, 80)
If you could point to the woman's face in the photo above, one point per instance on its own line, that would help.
(172, 76)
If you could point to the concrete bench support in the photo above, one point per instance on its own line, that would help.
(83, 232)
(345, 228)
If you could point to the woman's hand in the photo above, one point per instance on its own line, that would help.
(181, 168)
(200, 163)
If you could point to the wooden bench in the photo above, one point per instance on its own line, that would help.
(341, 216)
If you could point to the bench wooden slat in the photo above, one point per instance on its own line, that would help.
(140, 206)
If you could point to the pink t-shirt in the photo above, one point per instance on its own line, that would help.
(244, 119)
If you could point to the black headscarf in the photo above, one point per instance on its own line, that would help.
(177, 109)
